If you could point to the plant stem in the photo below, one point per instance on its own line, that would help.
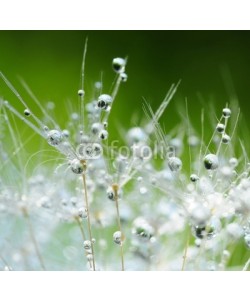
(185, 253)
(87, 206)
(33, 238)
(83, 235)
(115, 189)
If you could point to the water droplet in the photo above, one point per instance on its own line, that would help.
(247, 240)
(87, 245)
(124, 77)
(136, 135)
(83, 212)
(54, 137)
(220, 127)
(175, 164)
(142, 229)
(194, 177)
(117, 237)
(200, 215)
(233, 162)
(119, 64)
(110, 194)
(226, 112)
(103, 135)
(65, 133)
(80, 93)
(211, 162)
(225, 139)
(96, 127)
(104, 101)
(76, 166)
(208, 231)
(27, 112)
(143, 190)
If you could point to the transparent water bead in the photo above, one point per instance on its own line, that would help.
(83, 212)
(54, 137)
(142, 228)
(80, 93)
(76, 166)
(103, 134)
(175, 164)
(194, 177)
(225, 139)
(211, 162)
(117, 237)
(119, 64)
(87, 245)
(226, 112)
(247, 240)
(208, 231)
(124, 77)
(233, 162)
(27, 112)
(200, 215)
(234, 231)
(104, 101)
(220, 127)
(136, 135)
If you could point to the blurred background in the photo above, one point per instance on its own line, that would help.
(214, 66)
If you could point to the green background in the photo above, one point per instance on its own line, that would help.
(211, 64)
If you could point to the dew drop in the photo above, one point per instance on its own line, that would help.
(83, 212)
(124, 77)
(117, 237)
(103, 134)
(54, 137)
(76, 166)
(225, 139)
(87, 245)
(27, 112)
(220, 127)
(104, 101)
(119, 64)
(194, 177)
(211, 162)
(175, 164)
(80, 93)
(226, 112)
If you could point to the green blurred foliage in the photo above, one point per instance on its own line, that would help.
(50, 62)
